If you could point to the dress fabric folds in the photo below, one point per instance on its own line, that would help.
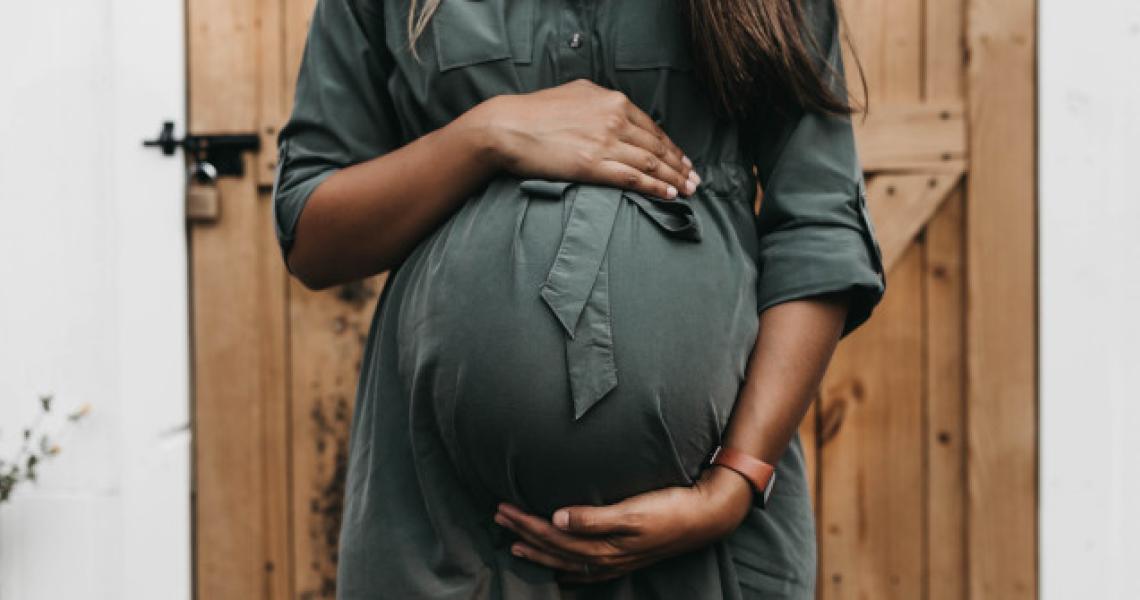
(556, 342)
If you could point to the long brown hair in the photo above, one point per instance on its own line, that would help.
(752, 53)
(764, 53)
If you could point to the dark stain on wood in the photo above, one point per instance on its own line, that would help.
(832, 420)
(326, 502)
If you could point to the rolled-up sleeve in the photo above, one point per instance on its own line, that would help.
(815, 230)
(342, 112)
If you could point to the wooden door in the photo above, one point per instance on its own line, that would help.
(924, 433)
(923, 438)
(275, 364)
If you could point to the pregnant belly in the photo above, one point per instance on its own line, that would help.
(488, 356)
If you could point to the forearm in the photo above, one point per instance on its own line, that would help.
(794, 345)
(364, 218)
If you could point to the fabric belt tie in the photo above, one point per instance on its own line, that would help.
(577, 287)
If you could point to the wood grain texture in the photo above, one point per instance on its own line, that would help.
(271, 91)
(1001, 302)
(944, 82)
(278, 433)
(238, 294)
(944, 433)
(862, 48)
(886, 38)
(945, 50)
(901, 205)
(223, 63)
(902, 40)
(872, 508)
(328, 331)
(239, 401)
(871, 450)
(913, 136)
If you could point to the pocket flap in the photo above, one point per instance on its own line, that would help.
(468, 32)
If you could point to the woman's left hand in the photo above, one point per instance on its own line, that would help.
(595, 543)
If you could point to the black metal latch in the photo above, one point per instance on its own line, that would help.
(218, 154)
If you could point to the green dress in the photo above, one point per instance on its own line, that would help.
(556, 343)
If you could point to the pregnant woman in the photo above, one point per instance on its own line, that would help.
(582, 304)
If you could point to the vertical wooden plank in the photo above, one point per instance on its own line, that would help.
(227, 565)
(863, 20)
(239, 346)
(223, 65)
(871, 511)
(871, 450)
(945, 324)
(278, 434)
(327, 334)
(945, 408)
(272, 92)
(945, 50)
(328, 331)
(902, 33)
(887, 38)
(241, 548)
(1001, 300)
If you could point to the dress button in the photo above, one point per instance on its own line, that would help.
(576, 41)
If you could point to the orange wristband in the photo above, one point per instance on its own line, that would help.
(759, 473)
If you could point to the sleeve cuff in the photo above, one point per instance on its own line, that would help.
(291, 192)
(806, 261)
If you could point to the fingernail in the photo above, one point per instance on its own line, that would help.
(561, 519)
(690, 187)
(695, 177)
(671, 192)
(500, 519)
(516, 551)
(685, 159)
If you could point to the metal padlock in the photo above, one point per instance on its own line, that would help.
(203, 201)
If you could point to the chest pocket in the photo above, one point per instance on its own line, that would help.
(652, 34)
(469, 32)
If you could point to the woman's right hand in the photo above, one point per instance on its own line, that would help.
(366, 217)
(580, 131)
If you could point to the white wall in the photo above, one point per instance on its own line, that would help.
(93, 298)
(1090, 299)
